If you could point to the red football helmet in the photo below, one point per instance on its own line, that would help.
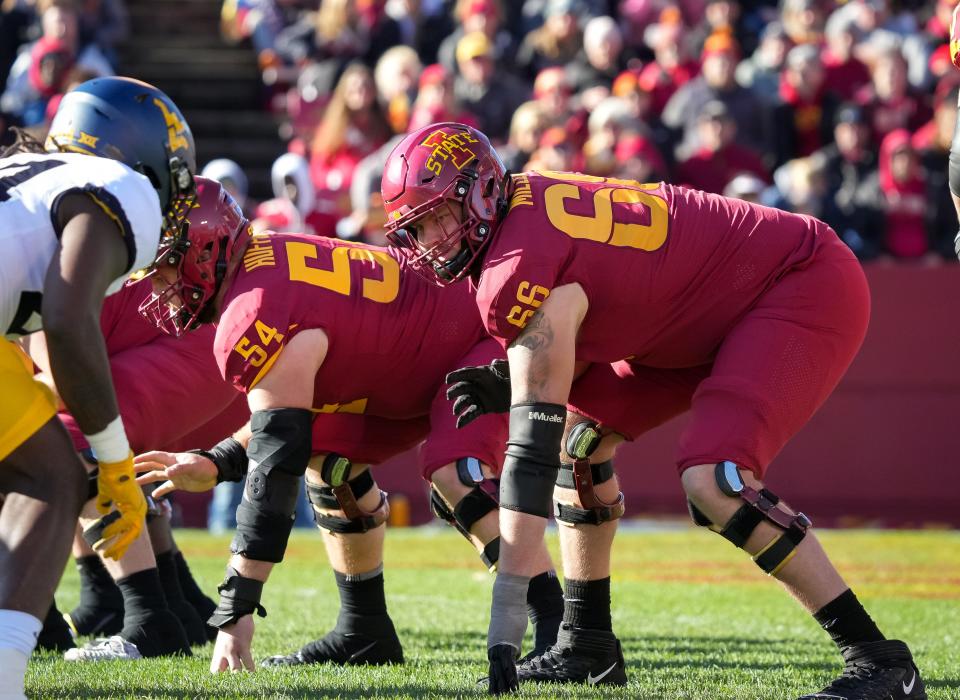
(200, 258)
(444, 165)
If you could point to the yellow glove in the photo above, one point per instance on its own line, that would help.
(116, 485)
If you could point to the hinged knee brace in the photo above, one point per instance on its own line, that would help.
(342, 493)
(582, 440)
(469, 509)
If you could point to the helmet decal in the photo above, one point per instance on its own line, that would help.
(449, 147)
(176, 129)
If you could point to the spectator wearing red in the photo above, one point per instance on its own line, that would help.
(811, 106)
(637, 158)
(719, 158)
(487, 18)
(295, 207)
(436, 102)
(846, 74)
(50, 62)
(352, 127)
(552, 91)
(932, 143)
(904, 190)
(888, 100)
(671, 68)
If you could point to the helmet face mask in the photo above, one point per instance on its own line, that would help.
(190, 269)
(440, 174)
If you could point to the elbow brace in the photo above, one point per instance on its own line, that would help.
(953, 168)
(533, 458)
(279, 452)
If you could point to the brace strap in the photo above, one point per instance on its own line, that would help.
(601, 473)
(344, 497)
(779, 551)
(464, 516)
(594, 510)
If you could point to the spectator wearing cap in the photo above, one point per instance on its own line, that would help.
(554, 152)
(761, 72)
(845, 73)
(630, 87)
(850, 160)
(526, 128)
(608, 122)
(353, 126)
(638, 158)
(803, 20)
(888, 100)
(395, 76)
(295, 207)
(719, 158)
(60, 23)
(932, 143)
(671, 67)
(898, 190)
(716, 82)
(479, 16)
(810, 107)
(599, 63)
(478, 88)
(50, 63)
(556, 43)
(435, 100)
(723, 16)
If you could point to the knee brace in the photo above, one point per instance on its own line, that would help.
(279, 452)
(582, 440)
(342, 493)
(758, 506)
(469, 509)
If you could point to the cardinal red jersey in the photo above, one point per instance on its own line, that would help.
(667, 270)
(169, 391)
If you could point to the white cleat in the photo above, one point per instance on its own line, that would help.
(113, 648)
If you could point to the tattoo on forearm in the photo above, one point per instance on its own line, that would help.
(537, 337)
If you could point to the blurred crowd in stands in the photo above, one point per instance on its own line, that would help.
(841, 110)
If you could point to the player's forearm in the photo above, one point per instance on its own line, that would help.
(81, 370)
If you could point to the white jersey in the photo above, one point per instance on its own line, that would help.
(31, 187)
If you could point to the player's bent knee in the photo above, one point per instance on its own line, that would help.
(583, 475)
(464, 510)
(758, 506)
(341, 493)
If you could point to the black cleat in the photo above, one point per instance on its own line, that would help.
(875, 671)
(580, 655)
(158, 634)
(347, 649)
(193, 624)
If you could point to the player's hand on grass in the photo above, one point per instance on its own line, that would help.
(232, 650)
(478, 390)
(185, 471)
(503, 669)
(117, 487)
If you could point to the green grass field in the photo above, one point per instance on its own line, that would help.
(697, 620)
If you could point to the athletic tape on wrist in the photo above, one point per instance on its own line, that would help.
(110, 444)
(508, 612)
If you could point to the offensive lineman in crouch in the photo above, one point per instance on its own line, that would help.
(745, 315)
(74, 223)
(342, 353)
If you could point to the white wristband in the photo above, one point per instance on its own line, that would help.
(110, 444)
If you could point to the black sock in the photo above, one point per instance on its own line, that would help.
(192, 623)
(847, 623)
(142, 596)
(97, 589)
(191, 591)
(363, 604)
(545, 608)
(587, 604)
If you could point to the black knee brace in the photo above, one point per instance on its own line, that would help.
(469, 509)
(342, 493)
(279, 452)
(582, 440)
(758, 506)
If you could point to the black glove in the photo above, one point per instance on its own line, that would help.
(479, 390)
(503, 669)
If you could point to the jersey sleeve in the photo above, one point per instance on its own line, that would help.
(512, 287)
(129, 200)
(251, 334)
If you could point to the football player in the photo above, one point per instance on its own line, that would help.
(167, 389)
(342, 353)
(75, 222)
(745, 315)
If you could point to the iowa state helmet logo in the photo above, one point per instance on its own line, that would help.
(448, 148)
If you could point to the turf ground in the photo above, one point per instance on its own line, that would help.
(697, 620)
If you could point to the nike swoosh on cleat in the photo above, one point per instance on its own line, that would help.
(908, 688)
(593, 680)
(357, 654)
